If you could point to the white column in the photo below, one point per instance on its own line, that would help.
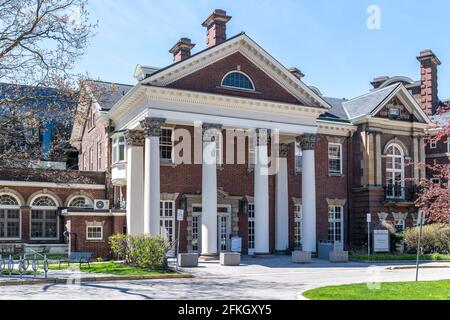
(152, 132)
(281, 201)
(379, 174)
(423, 159)
(309, 241)
(261, 195)
(135, 182)
(416, 160)
(209, 190)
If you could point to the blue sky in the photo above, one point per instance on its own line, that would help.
(328, 40)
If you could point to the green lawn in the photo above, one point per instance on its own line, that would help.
(114, 268)
(432, 290)
(397, 256)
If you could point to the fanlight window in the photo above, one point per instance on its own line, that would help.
(44, 201)
(395, 172)
(7, 200)
(80, 202)
(238, 80)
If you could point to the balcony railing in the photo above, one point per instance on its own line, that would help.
(398, 193)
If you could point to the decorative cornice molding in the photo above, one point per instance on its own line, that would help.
(134, 138)
(308, 141)
(152, 126)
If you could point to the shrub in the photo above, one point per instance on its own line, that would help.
(142, 251)
(435, 239)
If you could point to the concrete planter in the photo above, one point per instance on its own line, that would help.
(338, 256)
(188, 260)
(230, 259)
(301, 257)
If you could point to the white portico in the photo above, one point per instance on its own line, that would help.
(151, 106)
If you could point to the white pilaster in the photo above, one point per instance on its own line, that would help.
(135, 182)
(416, 160)
(309, 241)
(209, 190)
(423, 160)
(281, 201)
(152, 132)
(261, 195)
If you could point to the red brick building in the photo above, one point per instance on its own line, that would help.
(248, 150)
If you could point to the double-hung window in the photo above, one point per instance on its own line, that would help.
(10, 218)
(335, 158)
(99, 156)
(44, 218)
(118, 149)
(166, 145)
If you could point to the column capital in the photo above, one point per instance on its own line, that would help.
(152, 126)
(308, 141)
(262, 136)
(134, 138)
(209, 130)
(283, 150)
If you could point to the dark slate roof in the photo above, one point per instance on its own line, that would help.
(366, 104)
(111, 93)
(337, 110)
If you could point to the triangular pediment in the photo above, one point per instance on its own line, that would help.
(400, 105)
(204, 71)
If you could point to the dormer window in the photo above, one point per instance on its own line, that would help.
(237, 80)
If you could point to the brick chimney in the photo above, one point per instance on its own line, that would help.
(378, 81)
(182, 49)
(216, 26)
(428, 76)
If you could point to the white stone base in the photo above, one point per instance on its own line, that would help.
(338, 256)
(230, 259)
(188, 260)
(301, 256)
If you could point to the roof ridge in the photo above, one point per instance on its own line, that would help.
(372, 92)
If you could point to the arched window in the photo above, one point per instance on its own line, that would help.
(44, 218)
(81, 202)
(395, 172)
(10, 218)
(238, 80)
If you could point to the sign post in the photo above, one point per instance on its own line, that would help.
(369, 220)
(420, 221)
(180, 218)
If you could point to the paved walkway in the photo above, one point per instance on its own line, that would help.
(257, 278)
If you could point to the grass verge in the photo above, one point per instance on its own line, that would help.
(427, 290)
(113, 268)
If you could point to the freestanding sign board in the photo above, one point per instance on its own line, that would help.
(180, 215)
(381, 241)
(236, 244)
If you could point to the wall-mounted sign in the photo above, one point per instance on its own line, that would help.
(180, 215)
(236, 244)
(381, 241)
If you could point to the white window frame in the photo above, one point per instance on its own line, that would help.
(332, 221)
(89, 203)
(298, 220)
(448, 145)
(332, 157)
(433, 144)
(163, 218)
(94, 238)
(118, 141)
(196, 232)
(391, 172)
(12, 207)
(237, 88)
(44, 208)
(298, 158)
(172, 145)
(436, 180)
(91, 158)
(251, 220)
(399, 222)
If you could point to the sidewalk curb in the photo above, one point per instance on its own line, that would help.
(94, 279)
(414, 267)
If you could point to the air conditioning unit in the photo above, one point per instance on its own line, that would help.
(100, 204)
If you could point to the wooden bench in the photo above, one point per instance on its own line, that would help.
(77, 257)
